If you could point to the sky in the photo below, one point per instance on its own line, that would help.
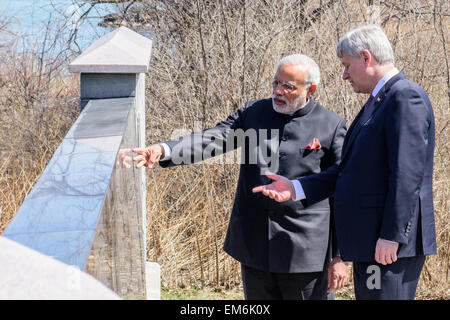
(30, 17)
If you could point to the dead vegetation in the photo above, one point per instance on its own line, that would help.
(210, 57)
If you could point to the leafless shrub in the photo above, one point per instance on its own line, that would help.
(209, 58)
(38, 104)
(212, 56)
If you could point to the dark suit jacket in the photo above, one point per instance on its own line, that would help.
(264, 234)
(383, 185)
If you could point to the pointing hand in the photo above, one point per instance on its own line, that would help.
(148, 156)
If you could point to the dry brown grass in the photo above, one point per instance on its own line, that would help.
(209, 58)
(38, 104)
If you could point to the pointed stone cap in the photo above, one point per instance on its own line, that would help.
(120, 51)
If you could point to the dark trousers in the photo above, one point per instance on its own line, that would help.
(264, 285)
(396, 281)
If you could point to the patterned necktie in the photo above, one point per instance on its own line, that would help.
(368, 106)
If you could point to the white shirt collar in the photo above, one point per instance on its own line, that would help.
(383, 81)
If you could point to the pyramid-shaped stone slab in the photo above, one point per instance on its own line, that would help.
(120, 51)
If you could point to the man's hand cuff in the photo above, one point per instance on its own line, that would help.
(167, 152)
(299, 193)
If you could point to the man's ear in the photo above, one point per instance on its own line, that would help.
(367, 57)
(311, 89)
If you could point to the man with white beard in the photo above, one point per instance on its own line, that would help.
(287, 98)
(285, 250)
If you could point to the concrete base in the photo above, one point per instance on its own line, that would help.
(153, 275)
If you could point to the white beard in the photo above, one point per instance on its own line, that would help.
(290, 107)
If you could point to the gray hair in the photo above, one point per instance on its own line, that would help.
(304, 61)
(368, 37)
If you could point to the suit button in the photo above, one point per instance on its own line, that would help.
(280, 172)
(284, 138)
(282, 154)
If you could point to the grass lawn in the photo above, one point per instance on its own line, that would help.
(219, 294)
(201, 294)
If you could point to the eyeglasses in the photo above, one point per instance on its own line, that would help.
(286, 86)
